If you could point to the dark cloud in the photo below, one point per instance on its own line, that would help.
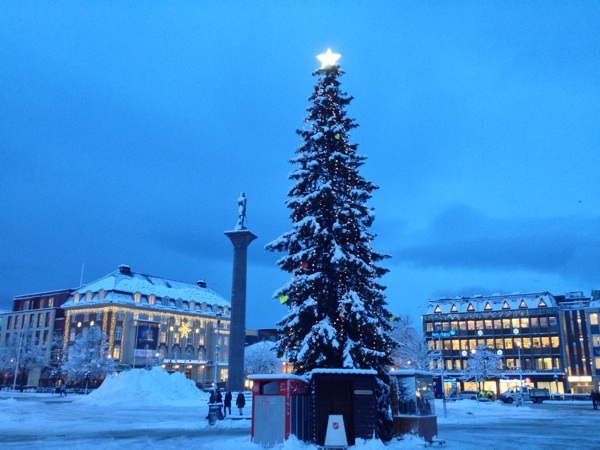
(464, 238)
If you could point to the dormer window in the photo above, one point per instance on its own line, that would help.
(88, 296)
(542, 303)
(76, 297)
(151, 299)
(523, 304)
(505, 305)
(437, 309)
(137, 297)
(454, 308)
(470, 307)
(488, 307)
(101, 294)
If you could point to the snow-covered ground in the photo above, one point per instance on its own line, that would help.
(144, 409)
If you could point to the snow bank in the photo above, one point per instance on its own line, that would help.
(147, 387)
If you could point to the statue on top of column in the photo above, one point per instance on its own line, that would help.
(241, 212)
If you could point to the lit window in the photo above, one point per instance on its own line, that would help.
(72, 334)
(542, 303)
(117, 352)
(50, 302)
(470, 307)
(523, 304)
(505, 305)
(454, 308)
(437, 309)
(151, 299)
(488, 306)
(594, 319)
(136, 297)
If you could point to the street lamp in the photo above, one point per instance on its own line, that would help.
(440, 334)
(17, 362)
(516, 331)
(217, 347)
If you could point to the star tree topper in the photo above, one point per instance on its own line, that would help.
(328, 58)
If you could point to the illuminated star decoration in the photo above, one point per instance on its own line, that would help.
(328, 58)
(184, 329)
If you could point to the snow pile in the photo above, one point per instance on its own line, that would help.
(147, 387)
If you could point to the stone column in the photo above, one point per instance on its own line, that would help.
(240, 238)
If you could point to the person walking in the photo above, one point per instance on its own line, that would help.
(240, 401)
(63, 389)
(227, 403)
(594, 397)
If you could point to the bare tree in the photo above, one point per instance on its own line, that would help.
(87, 356)
(261, 358)
(412, 351)
(23, 353)
(483, 364)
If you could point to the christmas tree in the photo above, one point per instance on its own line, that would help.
(338, 315)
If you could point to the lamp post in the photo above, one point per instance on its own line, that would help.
(217, 347)
(516, 331)
(439, 334)
(17, 362)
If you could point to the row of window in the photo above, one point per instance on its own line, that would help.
(41, 319)
(37, 304)
(521, 323)
(509, 343)
(512, 364)
(39, 337)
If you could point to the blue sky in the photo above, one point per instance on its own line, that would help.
(128, 130)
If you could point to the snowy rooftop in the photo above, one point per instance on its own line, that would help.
(126, 287)
(409, 372)
(496, 302)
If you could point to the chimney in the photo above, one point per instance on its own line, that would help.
(125, 269)
(201, 283)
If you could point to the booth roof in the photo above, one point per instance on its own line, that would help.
(275, 376)
(345, 371)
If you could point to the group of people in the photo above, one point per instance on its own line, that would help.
(217, 397)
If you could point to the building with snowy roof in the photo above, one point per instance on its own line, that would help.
(152, 320)
(37, 316)
(543, 338)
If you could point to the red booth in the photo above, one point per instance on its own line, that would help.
(280, 407)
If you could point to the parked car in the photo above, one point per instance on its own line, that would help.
(466, 395)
